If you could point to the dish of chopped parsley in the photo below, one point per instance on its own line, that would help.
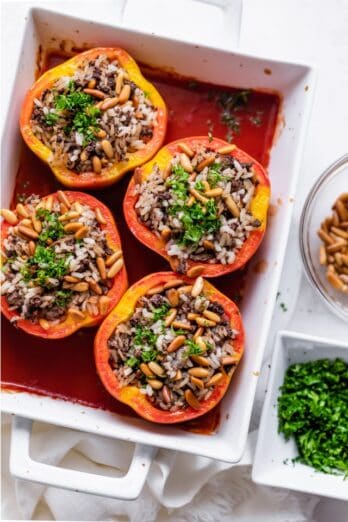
(313, 408)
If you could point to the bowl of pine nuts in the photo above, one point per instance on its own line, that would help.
(324, 236)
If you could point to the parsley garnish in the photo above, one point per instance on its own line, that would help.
(62, 297)
(52, 228)
(148, 355)
(51, 118)
(133, 362)
(313, 408)
(43, 265)
(160, 312)
(193, 349)
(143, 336)
(214, 175)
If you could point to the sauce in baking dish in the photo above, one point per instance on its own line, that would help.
(65, 368)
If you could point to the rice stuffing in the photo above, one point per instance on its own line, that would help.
(94, 118)
(163, 350)
(199, 205)
(53, 261)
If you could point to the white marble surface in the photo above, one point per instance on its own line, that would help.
(312, 31)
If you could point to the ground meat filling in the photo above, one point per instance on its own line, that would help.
(176, 347)
(94, 118)
(200, 205)
(56, 260)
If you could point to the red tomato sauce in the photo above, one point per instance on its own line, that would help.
(65, 368)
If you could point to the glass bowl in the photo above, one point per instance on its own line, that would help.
(332, 183)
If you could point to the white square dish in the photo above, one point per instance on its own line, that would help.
(295, 84)
(272, 462)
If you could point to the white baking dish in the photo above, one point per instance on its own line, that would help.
(295, 83)
(272, 460)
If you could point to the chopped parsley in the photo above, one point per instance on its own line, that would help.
(199, 185)
(313, 408)
(214, 175)
(44, 265)
(132, 362)
(160, 312)
(51, 118)
(148, 355)
(193, 349)
(79, 109)
(144, 336)
(52, 228)
(231, 103)
(178, 182)
(62, 297)
(283, 307)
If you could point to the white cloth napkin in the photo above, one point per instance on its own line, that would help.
(179, 487)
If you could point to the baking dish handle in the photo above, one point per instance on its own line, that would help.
(24, 467)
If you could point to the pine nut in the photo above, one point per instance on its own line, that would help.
(334, 280)
(191, 316)
(197, 286)
(341, 210)
(135, 101)
(173, 297)
(82, 232)
(109, 103)
(104, 303)
(205, 163)
(339, 232)
(185, 162)
(81, 287)
(9, 216)
(195, 271)
(99, 216)
(212, 316)
(214, 193)
(215, 379)
(97, 166)
(192, 400)
(198, 333)
(226, 150)
(201, 343)
(63, 198)
(232, 206)
(113, 257)
(119, 83)
(72, 214)
(101, 267)
(176, 343)
(100, 133)
(185, 289)
(115, 268)
(166, 172)
(28, 232)
(208, 245)
(155, 384)
(96, 93)
(202, 321)
(165, 234)
(229, 359)
(186, 149)
(181, 325)
(63, 208)
(125, 93)
(95, 287)
(76, 313)
(72, 227)
(146, 370)
(32, 247)
(166, 394)
(190, 201)
(173, 283)
(107, 148)
(197, 382)
(202, 361)
(44, 324)
(198, 196)
(22, 211)
(324, 236)
(338, 245)
(49, 203)
(27, 223)
(156, 368)
(199, 372)
(92, 83)
(206, 186)
(170, 317)
(178, 376)
(338, 259)
(155, 290)
(71, 279)
(83, 156)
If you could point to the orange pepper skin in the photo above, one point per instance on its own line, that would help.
(90, 180)
(119, 286)
(258, 207)
(131, 395)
